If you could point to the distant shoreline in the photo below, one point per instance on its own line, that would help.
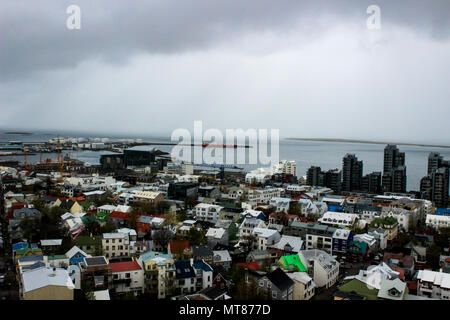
(17, 132)
(370, 142)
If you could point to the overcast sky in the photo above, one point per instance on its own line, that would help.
(309, 68)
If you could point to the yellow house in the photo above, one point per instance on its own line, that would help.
(71, 206)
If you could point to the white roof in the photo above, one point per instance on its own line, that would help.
(67, 215)
(114, 235)
(51, 242)
(387, 285)
(264, 232)
(215, 233)
(107, 207)
(123, 208)
(223, 254)
(294, 242)
(302, 277)
(74, 250)
(440, 279)
(128, 231)
(43, 277)
(91, 193)
(251, 212)
(341, 234)
(102, 295)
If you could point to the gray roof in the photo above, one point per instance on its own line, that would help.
(96, 261)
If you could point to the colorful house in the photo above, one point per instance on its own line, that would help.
(292, 263)
(76, 255)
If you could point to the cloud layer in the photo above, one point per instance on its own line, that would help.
(309, 68)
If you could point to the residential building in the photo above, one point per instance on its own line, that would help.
(207, 212)
(46, 284)
(159, 269)
(352, 170)
(115, 245)
(304, 286)
(321, 266)
(127, 276)
(277, 285)
(433, 284)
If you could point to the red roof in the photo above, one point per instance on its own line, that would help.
(177, 247)
(120, 215)
(124, 266)
(412, 285)
(250, 265)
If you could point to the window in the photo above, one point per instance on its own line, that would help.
(127, 275)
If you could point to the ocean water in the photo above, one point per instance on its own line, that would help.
(327, 155)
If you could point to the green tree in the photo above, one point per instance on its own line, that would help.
(196, 237)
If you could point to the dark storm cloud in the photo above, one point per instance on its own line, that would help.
(34, 36)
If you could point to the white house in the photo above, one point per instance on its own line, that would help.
(433, 284)
(207, 212)
(321, 266)
(340, 219)
(247, 226)
(115, 244)
(265, 237)
(437, 221)
(127, 276)
(304, 286)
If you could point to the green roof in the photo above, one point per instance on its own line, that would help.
(362, 246)
(27, 250)
(360, 288)
(57, 257)
(293, 260)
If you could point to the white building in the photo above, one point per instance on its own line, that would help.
(265, 237)
(289, 244)
(286, 167)
(340, 219)
(115, 245)
(127, 276)
(437, 221)
(247, 226)
(260, 175)
(304, 286)
(321, 266)
(374, 275)
(263, 195)
(433, 284)
(280, 204)
(207, 212)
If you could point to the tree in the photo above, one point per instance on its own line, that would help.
(295, 208)
(134, 217)
(196, 237)
(181, 216)
(162, 238)
(232, 232)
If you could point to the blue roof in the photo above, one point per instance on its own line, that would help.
(443, 211)
(19, 245)
(184, 270)
(150, 255)
(35, 257)
(335, 208)
(200, 264)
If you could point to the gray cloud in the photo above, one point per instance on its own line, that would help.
(34, 36)
(310, 68)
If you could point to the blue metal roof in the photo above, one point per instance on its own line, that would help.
(183, 269)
